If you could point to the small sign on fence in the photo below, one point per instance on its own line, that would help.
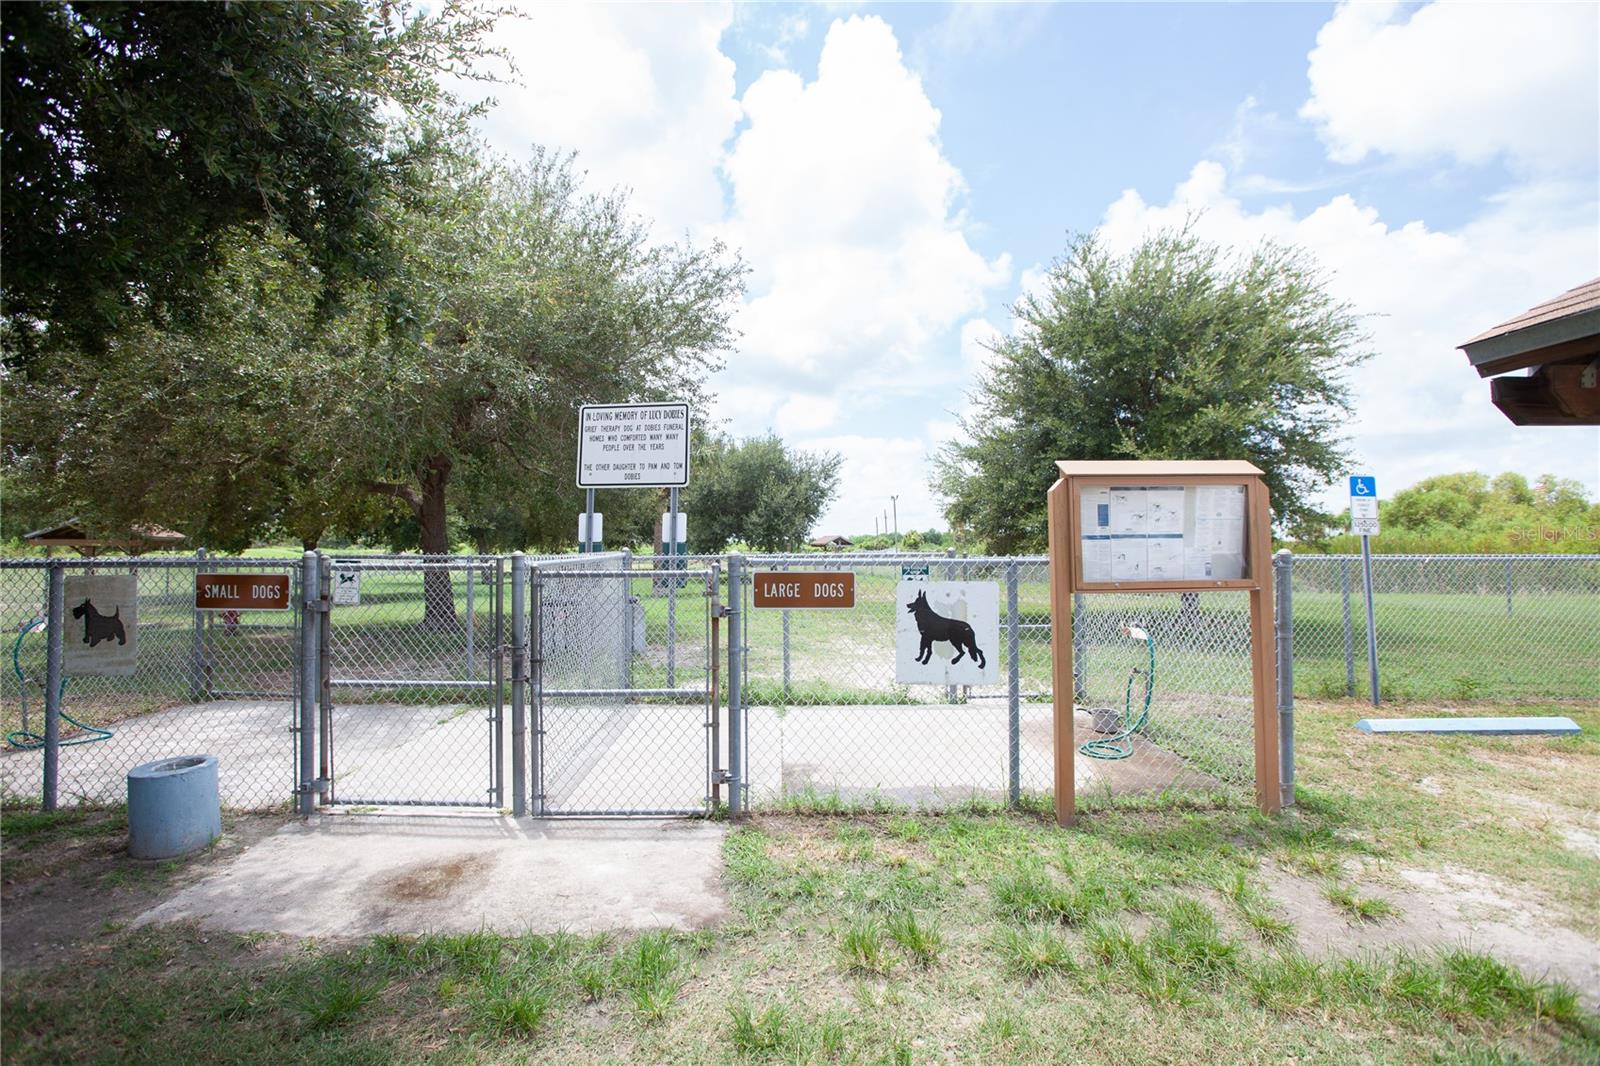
(913, 571)
(241, 592)
(823, 590)
(346, 588)
(102, 637)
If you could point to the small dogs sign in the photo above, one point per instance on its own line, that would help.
(947, 633)
(102, 637)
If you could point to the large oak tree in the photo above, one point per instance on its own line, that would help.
(1177, 350)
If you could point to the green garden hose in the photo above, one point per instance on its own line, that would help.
(29, 741)
(1121, 745)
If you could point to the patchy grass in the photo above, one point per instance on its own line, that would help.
(1142, 936)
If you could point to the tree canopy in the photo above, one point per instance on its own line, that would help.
(758, 491)
(1176, 350)
(528, 297)
(140, 138)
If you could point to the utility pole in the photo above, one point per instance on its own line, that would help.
(894, 504)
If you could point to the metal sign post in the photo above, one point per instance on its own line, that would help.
(1364, 522)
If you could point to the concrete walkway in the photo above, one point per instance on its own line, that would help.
(448, 871)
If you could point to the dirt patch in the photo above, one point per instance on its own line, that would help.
(1444, 908)
(63, 898)
(434, 880)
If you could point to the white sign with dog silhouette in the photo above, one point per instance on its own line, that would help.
(947, 633)
(102, 637)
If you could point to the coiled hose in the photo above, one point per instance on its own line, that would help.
(1121, 745)
(24, 739)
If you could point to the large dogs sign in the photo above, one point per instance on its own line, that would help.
(947, 633)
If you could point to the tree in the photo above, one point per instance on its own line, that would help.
(139, 138)
(758, 491)
(527, 297)
(1174, 351)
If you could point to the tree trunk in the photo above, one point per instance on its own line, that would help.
(438, 592)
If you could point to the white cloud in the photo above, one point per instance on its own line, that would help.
(874, 469)
(1468, 80)
(845, 206)
(1420, 408)
(807, 414)
(642, 92)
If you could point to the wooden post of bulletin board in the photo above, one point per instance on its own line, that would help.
(1240, 495)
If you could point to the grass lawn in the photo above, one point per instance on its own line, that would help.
(1159, 934)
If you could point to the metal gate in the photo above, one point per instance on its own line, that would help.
(622, 673)
(410, 709)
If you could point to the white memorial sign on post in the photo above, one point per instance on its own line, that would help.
(633, 446)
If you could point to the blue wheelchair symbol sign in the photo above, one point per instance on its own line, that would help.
(1363, 486)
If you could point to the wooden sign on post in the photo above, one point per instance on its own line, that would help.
(241, 592)
(1161, 526)
(822, 590)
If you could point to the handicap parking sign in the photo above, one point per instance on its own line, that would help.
(1362, 485)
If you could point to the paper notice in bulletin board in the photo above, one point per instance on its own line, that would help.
(1163, 533)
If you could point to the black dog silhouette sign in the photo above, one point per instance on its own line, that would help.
(947, 633)
(102, 632)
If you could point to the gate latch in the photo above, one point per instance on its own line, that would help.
(722, 777)
(721, 610)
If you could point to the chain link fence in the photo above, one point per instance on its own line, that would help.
(221, 683)
(412, 678)
(1450, 627)
(827, 720)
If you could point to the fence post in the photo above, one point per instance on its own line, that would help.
(736, 612)
(1508, 588)
(472, 667)
(197, 663)
(949, 575)
(324, 622)
(55, 632)
(533, 618)
(786, 648)
(628, 648)
(519, 688)
(1372, 626)
(1283, 623)
(1349, 633)
(1013, 688)
(310, 630)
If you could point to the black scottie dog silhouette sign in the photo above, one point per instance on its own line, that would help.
(102, 637)
(946, 632)
(97, 626)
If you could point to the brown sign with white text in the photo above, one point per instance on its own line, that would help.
(805, 590)
(241, 592)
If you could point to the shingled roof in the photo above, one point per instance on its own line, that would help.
(1558, 343)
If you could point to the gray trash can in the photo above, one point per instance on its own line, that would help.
(173, 806)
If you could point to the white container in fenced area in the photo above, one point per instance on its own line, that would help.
(173, 806)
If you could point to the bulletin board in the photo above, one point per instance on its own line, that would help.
(1161, 526)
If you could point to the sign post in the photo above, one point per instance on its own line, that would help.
(1161, 526)
(1364, 521)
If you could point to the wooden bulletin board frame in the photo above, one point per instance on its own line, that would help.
(1063, 504)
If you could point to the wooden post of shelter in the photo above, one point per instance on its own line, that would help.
(1218, 515)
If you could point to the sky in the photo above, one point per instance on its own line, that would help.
(896, 176)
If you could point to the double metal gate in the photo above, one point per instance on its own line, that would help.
(608, 674)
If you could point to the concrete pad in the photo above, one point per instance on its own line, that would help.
(428, 871)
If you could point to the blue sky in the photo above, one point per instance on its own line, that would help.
(897, 175)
